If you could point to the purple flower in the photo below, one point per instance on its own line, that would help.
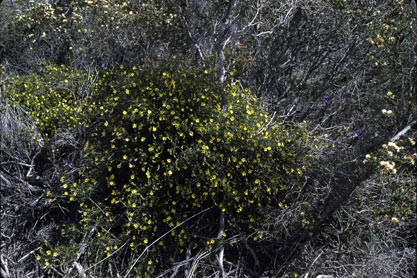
(103, 66)
(327, 100)
(356, 134)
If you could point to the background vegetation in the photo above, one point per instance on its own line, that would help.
(208, 138)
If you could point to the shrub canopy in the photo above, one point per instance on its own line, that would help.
(166, 150)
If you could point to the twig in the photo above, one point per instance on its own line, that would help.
(266, 126)
(114, 252)
(4, 267)
(305, 275)
(29, 173)
(198, 258)
(3, 178)
(80, 269)
(263, 33)
(220, 257)
(28, 254)
(176, 268)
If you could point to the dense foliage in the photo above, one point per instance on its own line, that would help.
(50, 98)
(167, 150)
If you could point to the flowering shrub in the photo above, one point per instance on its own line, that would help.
(396, 162)
(167, 150)
(51, 98)
(88, 32)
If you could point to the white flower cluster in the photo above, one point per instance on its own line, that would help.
(388, 166)
(387, 112)
(368, 157)
(394, 146)
(390, 95)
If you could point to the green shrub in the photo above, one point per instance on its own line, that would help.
(166, 150)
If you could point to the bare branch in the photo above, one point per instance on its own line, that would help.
(403, 131)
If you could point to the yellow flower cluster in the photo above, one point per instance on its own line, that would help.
(50, 98)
